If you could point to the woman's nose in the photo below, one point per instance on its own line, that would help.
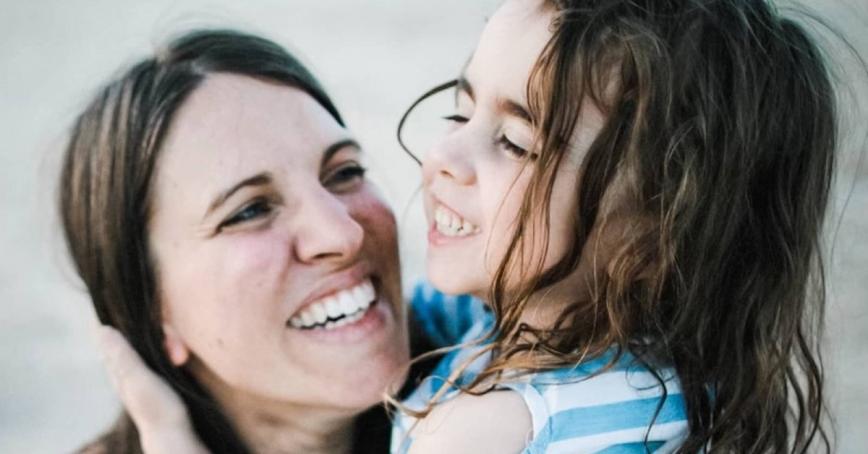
(327, 230)
(451, 158)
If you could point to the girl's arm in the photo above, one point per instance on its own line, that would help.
(159, 414)
(498, 421)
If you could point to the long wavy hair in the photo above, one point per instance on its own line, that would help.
(104, 200)
(720, 132)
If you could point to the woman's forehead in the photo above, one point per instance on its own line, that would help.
(229, 109)
(233, 126)
(235, 122)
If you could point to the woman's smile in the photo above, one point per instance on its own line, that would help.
(357, 313)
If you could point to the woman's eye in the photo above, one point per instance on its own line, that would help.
(514, 150)
(345, 176)
(254, 210)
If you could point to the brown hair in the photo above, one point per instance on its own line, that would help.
(721, 132)
(105, 188)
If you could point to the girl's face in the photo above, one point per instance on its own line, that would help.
(476, 176)
(263, 226)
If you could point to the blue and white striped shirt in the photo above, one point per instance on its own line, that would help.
(573, 409)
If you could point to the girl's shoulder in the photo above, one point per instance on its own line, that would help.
(497, 421)
(584, 408)
(592, 406)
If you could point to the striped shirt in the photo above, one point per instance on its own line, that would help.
(573, 410)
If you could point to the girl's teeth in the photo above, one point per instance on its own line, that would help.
(455, 224)
(335, 311)
(451, 225)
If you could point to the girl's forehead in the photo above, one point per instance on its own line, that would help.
(508, 48)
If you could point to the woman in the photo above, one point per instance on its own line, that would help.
(216, 208)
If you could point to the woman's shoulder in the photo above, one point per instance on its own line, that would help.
(121, 438)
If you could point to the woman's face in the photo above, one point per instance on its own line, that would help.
(476, 176)
(276, 260)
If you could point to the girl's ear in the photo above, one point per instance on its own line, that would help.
(174, 345)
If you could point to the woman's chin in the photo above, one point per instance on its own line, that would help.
(366, 386)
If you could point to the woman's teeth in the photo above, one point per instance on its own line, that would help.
(337, 310)
(450, 224)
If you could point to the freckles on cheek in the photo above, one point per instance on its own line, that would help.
(255, 258)
(233, 282)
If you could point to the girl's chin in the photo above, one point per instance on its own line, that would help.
(452, 283)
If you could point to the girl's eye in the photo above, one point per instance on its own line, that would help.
(456, 118)
(254, 210)
(343, 178)
(514, 150)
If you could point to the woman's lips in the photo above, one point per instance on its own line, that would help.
(372, 314)
(372, 320)
(337, 309)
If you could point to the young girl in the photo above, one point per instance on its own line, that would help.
(636, 190)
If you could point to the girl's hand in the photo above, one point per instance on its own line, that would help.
(159, 414)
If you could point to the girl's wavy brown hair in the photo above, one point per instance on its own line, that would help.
(720, 134)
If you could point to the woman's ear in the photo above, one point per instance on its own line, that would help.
(174, 345)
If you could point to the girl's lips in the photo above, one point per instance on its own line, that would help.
(446, 224)
(436, 238)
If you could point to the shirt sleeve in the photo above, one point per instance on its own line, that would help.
(444, 319)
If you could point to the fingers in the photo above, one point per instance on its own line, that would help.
(148, 399)
(159, 414)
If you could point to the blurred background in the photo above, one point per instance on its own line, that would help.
(374, 57)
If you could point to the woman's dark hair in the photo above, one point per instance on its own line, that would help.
(105, 195)
(721, 133)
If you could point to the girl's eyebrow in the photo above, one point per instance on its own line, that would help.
(504, 105)
(515, 109)
(465, 86)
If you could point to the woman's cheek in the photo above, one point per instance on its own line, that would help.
(369, 209)
(231, 289)
(253, 259)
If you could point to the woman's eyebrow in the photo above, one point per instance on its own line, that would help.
(260, 179)
(332, 149)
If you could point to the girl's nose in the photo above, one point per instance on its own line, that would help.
(452, 159)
